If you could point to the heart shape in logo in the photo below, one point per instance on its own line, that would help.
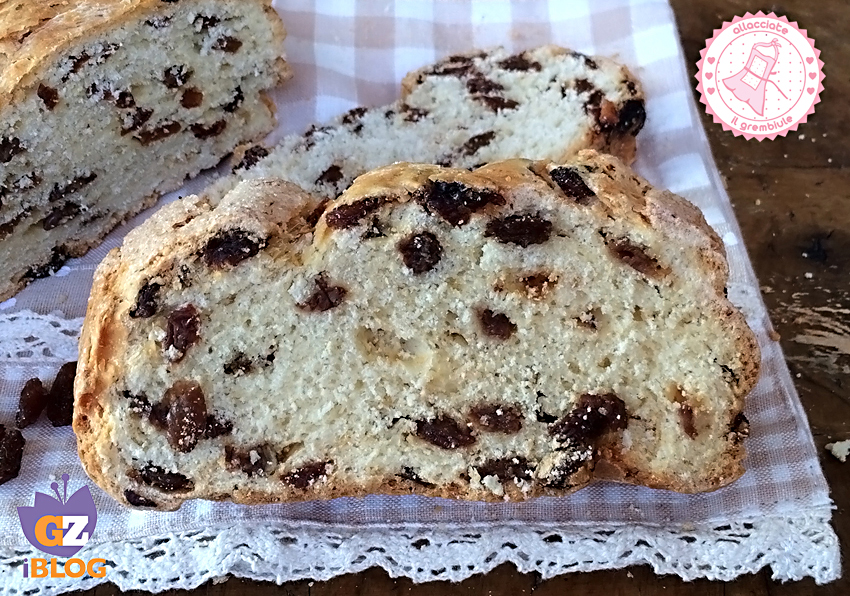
(711, 60)
(710, 90)
(708, 75)
(809, 60)
(810, 90)
(811, 75)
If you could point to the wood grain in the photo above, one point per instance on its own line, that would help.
(793, 205)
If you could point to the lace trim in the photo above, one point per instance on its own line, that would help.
(30, 338)
(794, 548)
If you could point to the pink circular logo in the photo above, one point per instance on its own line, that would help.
(760, 76)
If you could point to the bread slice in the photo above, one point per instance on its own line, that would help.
(500, 334)
(466, 110)
(104, 105)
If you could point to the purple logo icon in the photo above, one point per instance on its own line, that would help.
(60, 526)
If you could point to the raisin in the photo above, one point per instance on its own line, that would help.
(496, 325)
(353, 116)
(233, 105)
(251, 158)
(75, 185)
(497, 103)
(60, 403)
(57, 259)
(125, 100)
(477, 142)
(408, 473)
(522, 229)
(227, 44)
(163, 131)
(455, 202)
(217, 427)
(632, 117)
(330, 176)
(520, 62)
(506, 469)
(231, 247)
(175, 77)
(48, 95)
(347, 216)
(240, 365)
(9, 148)
(60, 215)
(573, 185)
(325, 296)
(166, 481)
(445, 432)
(186, 420)
(181, 332)
(686, 418)
(139, 403)
(11, 452)
(480, 85)
(592, 417)
(420, 252)
(260, 460)
(32, 403)
(137, 500)
(412, 114)
(307, 475)
(146, 305)
(192, 98)
(497, 418)
(583, 86)
(203, 131)
(636, 257)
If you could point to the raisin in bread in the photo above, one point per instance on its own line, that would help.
(469, 109)
(507, 333)
(104, 105)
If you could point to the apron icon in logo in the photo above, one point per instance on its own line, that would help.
(750, 84)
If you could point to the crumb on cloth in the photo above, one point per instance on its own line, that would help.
(840, 449)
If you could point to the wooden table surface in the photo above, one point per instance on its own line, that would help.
(792, 199)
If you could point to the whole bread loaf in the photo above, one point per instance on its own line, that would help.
(106, 104)
(505, 333)
(464, 111)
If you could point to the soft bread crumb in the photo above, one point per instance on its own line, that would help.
(839, 449)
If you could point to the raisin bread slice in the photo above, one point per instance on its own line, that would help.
(501, 334)
(104, 105)
(466, 110)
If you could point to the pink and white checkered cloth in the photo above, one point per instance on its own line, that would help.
(354, 52)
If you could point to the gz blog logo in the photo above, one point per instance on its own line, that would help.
(60, 527)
